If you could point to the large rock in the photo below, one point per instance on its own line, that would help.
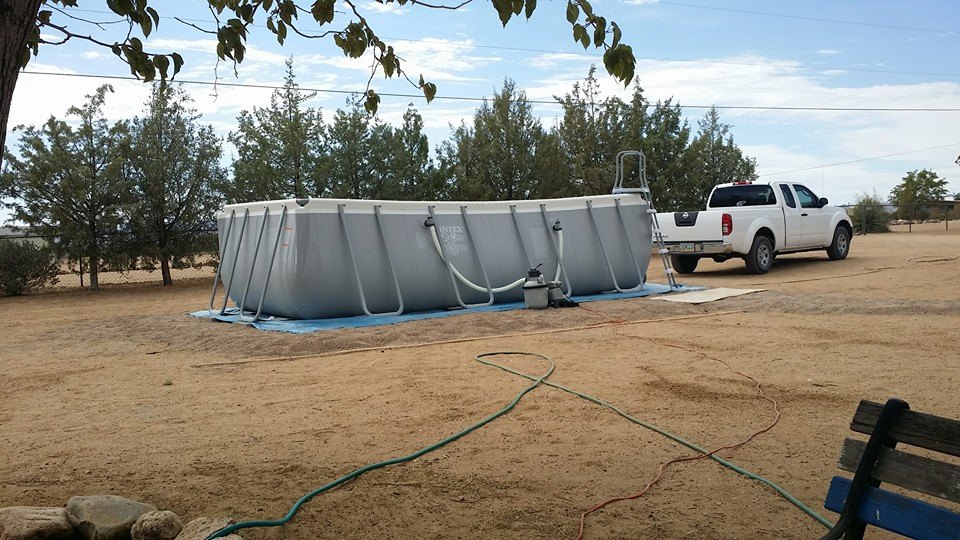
(34, 523)
(105, 517)
(201, 528)
(163, 525)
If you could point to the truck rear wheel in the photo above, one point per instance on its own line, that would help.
(684, 264)
(841, 244)
(760, 258)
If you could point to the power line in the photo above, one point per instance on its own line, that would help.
(806, 18)
(599, 57)
(862, 160)
(481, 99)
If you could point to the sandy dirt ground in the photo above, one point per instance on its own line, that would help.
(100, 393)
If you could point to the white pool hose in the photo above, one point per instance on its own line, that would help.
(474, 286)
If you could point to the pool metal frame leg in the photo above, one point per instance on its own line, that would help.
(523, 243)
(222, 253)
(446, 259)
(606, 259)
(641, 275)
(556, 249)
(341, 209)
(253, 261)
(273, 257)
(236, 258)
(270, 261)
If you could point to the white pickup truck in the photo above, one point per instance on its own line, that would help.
(755, 222)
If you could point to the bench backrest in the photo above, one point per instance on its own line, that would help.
(891, 511)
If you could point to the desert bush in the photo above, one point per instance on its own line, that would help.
(25, 266)
(868, 215)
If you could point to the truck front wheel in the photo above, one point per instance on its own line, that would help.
(760, 258)
(841, 244)
(684, 264)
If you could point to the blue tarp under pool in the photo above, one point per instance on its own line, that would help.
(305, 326)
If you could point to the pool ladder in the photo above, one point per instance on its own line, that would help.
(647, 195)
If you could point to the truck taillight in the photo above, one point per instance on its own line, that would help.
(727, 224)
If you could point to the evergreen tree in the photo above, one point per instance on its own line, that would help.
(415, 175)
(496, 157)
(174, 164)
(592, 132)
(665, 140)
(354, 173)
(68, 182)
(712, 158)
(281, 150)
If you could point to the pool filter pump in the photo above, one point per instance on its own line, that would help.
(535, 290)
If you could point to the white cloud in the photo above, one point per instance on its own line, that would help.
(392, 8)
(828, 51)
(92, 55)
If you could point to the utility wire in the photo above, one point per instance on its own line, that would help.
(861, 160)
(481, 99)
(598, 56)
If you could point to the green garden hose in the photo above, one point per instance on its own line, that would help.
(346, 478)
(754, 476)
(537, 381)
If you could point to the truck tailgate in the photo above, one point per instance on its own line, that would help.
(703, 226)
(696, 233)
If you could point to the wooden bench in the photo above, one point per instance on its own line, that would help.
(861, 502)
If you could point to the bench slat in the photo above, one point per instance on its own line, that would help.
(906, 470)
(919, 429)
(893, 512)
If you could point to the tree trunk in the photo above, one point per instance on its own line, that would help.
(16, 19)
(93, 258)
(165, 271)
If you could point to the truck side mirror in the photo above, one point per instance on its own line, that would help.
(823, 202)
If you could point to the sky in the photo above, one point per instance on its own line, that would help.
(771, 68)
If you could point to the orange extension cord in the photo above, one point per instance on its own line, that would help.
(759, 388)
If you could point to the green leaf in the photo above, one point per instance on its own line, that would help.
(573, 12)
(322, 11)
(530, 6)
(587, 8)
(372, 102)
(429, 91)
(146, 26)
(177, 63)
(517, 6)
(629, 64)
(162, 63)
(616, 34)
(580, 34)
(599, 31)
(504, 10)
(388, 61)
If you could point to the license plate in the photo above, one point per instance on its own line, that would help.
(686, 246)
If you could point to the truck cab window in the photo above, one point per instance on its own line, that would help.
(743, 195)
(807, 198)
(787, 196)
